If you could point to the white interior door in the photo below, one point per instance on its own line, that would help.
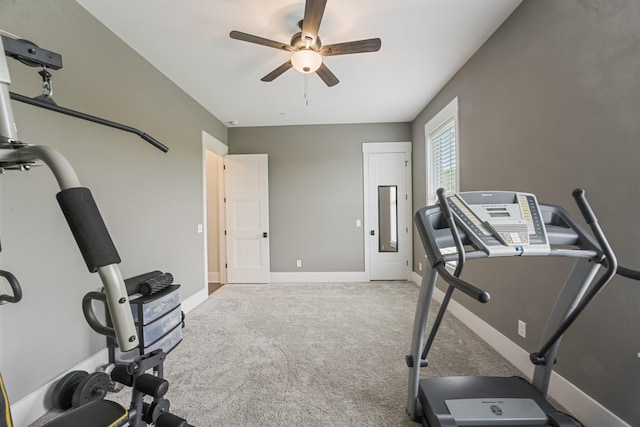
(389, 205)
(247, 215)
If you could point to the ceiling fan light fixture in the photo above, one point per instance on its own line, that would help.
(306, 60)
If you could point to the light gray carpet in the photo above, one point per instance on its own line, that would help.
(325, 354)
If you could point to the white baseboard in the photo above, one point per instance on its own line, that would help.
(33, 406)
(306, 277)
(195, 300)
(213, 277)
(574, 400)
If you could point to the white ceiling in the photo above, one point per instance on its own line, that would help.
(424, 43)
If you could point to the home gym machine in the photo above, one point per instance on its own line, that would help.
(100, 256)
(479, 225)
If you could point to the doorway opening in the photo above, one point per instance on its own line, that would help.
(214, 241)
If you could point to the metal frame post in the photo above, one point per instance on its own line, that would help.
(419, 327)
(8, 130)
(572, 291)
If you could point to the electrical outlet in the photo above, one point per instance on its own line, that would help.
(522, 329)
(419, 266)
(299, 263)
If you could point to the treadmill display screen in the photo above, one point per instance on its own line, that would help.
(499, 214)
(501, 223)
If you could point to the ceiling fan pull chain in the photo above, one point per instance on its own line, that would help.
(306, 94)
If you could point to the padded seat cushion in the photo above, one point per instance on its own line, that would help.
(97, 413)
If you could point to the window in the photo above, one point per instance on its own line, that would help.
(441, 138)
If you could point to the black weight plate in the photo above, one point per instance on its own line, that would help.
(92, 387)
(62, 394)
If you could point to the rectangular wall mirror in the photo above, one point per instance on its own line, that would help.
(388, 218)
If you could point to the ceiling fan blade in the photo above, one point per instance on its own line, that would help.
(313, 11)
(360, 46)
(238, 35)
(327, 76)
(277, 72)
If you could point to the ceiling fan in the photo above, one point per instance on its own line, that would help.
(306, 47)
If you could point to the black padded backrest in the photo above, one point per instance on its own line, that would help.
(88, 228)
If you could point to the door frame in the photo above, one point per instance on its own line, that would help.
(386, 147)
(213, 144)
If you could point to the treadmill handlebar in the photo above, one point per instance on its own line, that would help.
(624, 271)
(466, 287)
(592, 221)
(583, 205)
(608, 260)
(590, 218)
(628, 273)
(446, 211)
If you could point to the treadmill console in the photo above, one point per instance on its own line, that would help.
(501, 223)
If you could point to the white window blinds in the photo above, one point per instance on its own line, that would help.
(442, 165)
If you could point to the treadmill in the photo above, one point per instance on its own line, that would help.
(485, 224)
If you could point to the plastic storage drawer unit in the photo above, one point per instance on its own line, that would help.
(146, 309)
(158, 319)
(166, 343)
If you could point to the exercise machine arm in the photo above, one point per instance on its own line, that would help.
(84, 116)
(89, 231)
(15, 288)
(466, 287)
(30, 54)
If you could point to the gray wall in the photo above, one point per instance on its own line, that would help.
(551, 103)
(315, 190)
(151, 202)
